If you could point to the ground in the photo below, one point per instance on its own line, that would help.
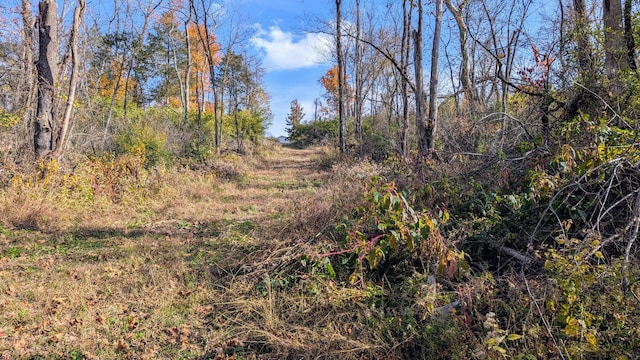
(189, 271)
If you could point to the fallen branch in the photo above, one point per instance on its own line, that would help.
(446, 309)
(524, 259)
(631, 240)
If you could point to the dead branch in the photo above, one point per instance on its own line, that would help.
(524, 259)
(635, 220)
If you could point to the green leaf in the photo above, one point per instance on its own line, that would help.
(424, 232)
(329, 268)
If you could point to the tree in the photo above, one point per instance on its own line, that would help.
(468, 87)
(247, 99)
(330, 81)
(46, 67)
(628, 34)
(405, 51)
(583, 48)
(616, 58)
(432, 121)
(358, 76)
(294, 118)
(341, 73)
(71, 95)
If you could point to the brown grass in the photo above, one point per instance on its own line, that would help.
(190, 263)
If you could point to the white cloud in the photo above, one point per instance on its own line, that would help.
(283, 51)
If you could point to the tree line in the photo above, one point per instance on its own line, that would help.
(149, 64)
(493, 68)
(513, 68)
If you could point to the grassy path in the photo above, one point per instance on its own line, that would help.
(178, 273)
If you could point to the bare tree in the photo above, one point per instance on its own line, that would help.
(405, 50)
(27, 93)
(71, 95)
(358, 77)
(47, 62)
(432, 122)
(468, 87)
(341, 117)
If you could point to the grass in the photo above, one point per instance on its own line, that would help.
(192, 266)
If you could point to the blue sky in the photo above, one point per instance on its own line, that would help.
(294, 60)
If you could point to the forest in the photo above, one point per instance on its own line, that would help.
(467, 186)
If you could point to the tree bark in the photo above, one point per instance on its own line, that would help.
(585, 65)
(71, 96)
(614, 43)
(28, 92)
(404, 82)
(432, 123)
(187, 71)
(358, 78)
(46, 65)
(628, 34)
(341, 119)
(465, 64)
(425, 136)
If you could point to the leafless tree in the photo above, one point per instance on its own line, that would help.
(46, 65)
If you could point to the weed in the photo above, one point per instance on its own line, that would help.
(12, 252)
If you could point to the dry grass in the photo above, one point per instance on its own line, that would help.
(178, 264)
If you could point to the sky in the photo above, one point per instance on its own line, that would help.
(294, 59)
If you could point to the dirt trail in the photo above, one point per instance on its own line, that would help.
(274, 185)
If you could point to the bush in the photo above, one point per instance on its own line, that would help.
(143, 141)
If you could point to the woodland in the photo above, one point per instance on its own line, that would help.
(468, 187)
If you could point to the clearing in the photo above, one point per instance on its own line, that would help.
(189, 270)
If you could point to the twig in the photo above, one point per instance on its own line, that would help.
(575, 183)
(627, 252)
(544, 320)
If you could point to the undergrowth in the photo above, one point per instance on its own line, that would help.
(302, 254)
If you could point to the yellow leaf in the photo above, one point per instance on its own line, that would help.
(551, 306)
(599, 255)
(572, 328)
(591, 339)
(514, 337)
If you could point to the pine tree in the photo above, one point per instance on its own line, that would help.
(294, 118)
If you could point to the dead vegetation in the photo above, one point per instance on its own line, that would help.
(176, 263)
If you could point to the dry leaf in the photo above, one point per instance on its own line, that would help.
(132, 322)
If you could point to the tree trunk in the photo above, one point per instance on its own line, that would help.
(433, 85)
(28, 93)
(46, 65)
(585, 65)
(404, 83)
(341, 119)
(628, 34)
(614, 44)
(71, 96)
(424, 136)
(187, 71)
(465, 63)
(358, 77)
